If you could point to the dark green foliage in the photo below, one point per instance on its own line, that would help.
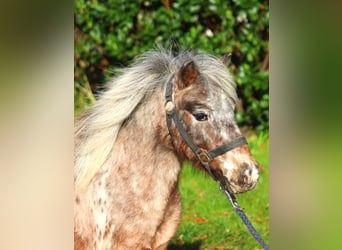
(109, 34)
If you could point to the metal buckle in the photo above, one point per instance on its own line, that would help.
(204, 157)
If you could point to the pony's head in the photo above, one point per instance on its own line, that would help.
(204, 98)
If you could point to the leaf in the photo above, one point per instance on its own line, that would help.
(200, 220)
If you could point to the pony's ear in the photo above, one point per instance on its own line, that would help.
(226, 58)
(187, 75)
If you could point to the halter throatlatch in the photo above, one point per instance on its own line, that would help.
(205, 157)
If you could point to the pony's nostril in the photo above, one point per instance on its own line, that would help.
(249, 175)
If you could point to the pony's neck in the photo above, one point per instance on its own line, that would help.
(143, 146)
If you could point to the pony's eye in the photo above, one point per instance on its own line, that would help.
(200, 116)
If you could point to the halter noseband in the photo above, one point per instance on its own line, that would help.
(203, 155)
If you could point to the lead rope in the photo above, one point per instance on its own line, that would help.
(238, 210)
(244, 218)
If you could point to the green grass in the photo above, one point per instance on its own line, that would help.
(208, 219)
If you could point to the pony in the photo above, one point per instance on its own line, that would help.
(127, 159)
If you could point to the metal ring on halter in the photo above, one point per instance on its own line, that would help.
(169, 106)
(204, 156)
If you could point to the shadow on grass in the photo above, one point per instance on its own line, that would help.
(186, 246)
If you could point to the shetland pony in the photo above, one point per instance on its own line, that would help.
(127, 163)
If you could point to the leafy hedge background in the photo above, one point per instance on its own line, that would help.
(109, 34)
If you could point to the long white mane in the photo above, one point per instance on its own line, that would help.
(96, 131)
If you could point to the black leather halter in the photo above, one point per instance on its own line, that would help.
(206, 156)
(203, 155)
